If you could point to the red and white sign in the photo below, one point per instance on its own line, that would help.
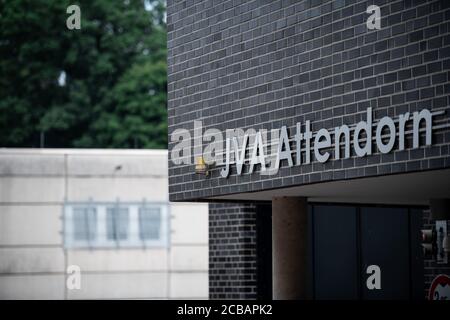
(440, 288)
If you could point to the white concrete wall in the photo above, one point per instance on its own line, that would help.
(34, 185)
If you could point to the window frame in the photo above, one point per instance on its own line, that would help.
(101, 240)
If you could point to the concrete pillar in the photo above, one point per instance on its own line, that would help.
(289, 247)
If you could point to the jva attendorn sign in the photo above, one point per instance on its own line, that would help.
(322, 140)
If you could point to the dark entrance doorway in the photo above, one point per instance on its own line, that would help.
(345, 240)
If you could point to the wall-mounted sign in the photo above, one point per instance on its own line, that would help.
(441, 235)
(300, 148)
(252, 150)
(440, 288)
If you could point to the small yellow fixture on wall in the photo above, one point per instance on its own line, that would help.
(201, 167)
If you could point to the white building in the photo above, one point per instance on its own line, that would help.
(106, 211)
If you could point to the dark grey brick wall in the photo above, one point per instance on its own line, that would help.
(266, 63)
(232, 251)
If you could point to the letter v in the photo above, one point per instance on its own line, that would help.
(240, 157)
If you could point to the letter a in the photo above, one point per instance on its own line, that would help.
(74, 278)
(374, 280)
(74, 20)
(374, 21)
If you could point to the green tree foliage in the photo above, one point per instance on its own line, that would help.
(101, 86)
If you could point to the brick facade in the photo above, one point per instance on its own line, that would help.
(232, 251)
(264, 64)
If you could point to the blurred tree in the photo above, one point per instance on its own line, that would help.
(101, 86)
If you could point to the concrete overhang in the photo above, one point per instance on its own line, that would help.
(415, 188)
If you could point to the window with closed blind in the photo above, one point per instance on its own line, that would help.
(150, 223)
(117, 223)
(84, 223)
